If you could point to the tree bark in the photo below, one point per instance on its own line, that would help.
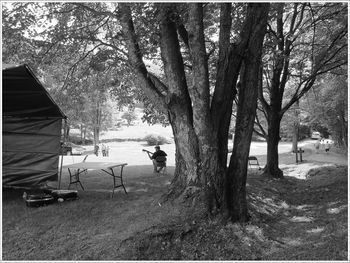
(81, 132)
(172, 97)
(198, 165)
(97, 123)
(228, 66)
(296, 126)
(344, 129)
(226, 77)
(295, 137)
(235, 184)
(84, 135)
(271, 169)
(178, 100)
(208, 165)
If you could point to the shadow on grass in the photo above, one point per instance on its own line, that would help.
(90, 227)
(292, 219)
(306, 219)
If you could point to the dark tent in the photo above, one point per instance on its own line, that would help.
(31, 129)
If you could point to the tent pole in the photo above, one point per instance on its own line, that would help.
(59, 180)
(64, 139)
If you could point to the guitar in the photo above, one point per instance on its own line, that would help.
(148, 152)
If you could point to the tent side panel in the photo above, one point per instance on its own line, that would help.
(30, 150)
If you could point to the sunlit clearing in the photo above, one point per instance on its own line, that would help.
(315, 230)
(301, 219)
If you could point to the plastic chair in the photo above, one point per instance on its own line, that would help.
(161, 162)
(253, 161)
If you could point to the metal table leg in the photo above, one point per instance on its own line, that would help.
(74, 178)
(115, 185)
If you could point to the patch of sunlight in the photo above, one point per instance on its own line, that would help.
(269, 201)
(263, 210)
(300, 171)
(292, 242)
(284, 205)
(336, 210)
(142, 190)
(301, 219)
(101, 190)
(126, 187)
(167, 183)
(303, 207)
(247, 241)
(252, 229)
(315, 230)
(333, 203)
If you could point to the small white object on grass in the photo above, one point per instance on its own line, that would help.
(60, 200)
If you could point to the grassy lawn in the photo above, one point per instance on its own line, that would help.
(298, 218)
(91, 227)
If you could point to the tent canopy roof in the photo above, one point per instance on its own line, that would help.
(24, 95)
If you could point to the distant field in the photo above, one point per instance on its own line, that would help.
(126, 144)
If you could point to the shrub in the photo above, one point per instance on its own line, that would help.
(129, 116)
(153, 139)
(77, 140)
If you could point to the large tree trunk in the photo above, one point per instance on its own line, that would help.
(199, 160)
(235, 184)
(228, 66)
(172, 97)
(271, 169)
(225, 90)
(276, 90)
(208, 165)
(178, 100)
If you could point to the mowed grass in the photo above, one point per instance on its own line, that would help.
(296, 218)
(91, 227)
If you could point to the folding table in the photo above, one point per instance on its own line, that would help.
(76, 169)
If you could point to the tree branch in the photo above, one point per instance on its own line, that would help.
(262, 132)
(135, 59)
(199, 59)
(183, 34)
(261, 98)
(99, 13)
